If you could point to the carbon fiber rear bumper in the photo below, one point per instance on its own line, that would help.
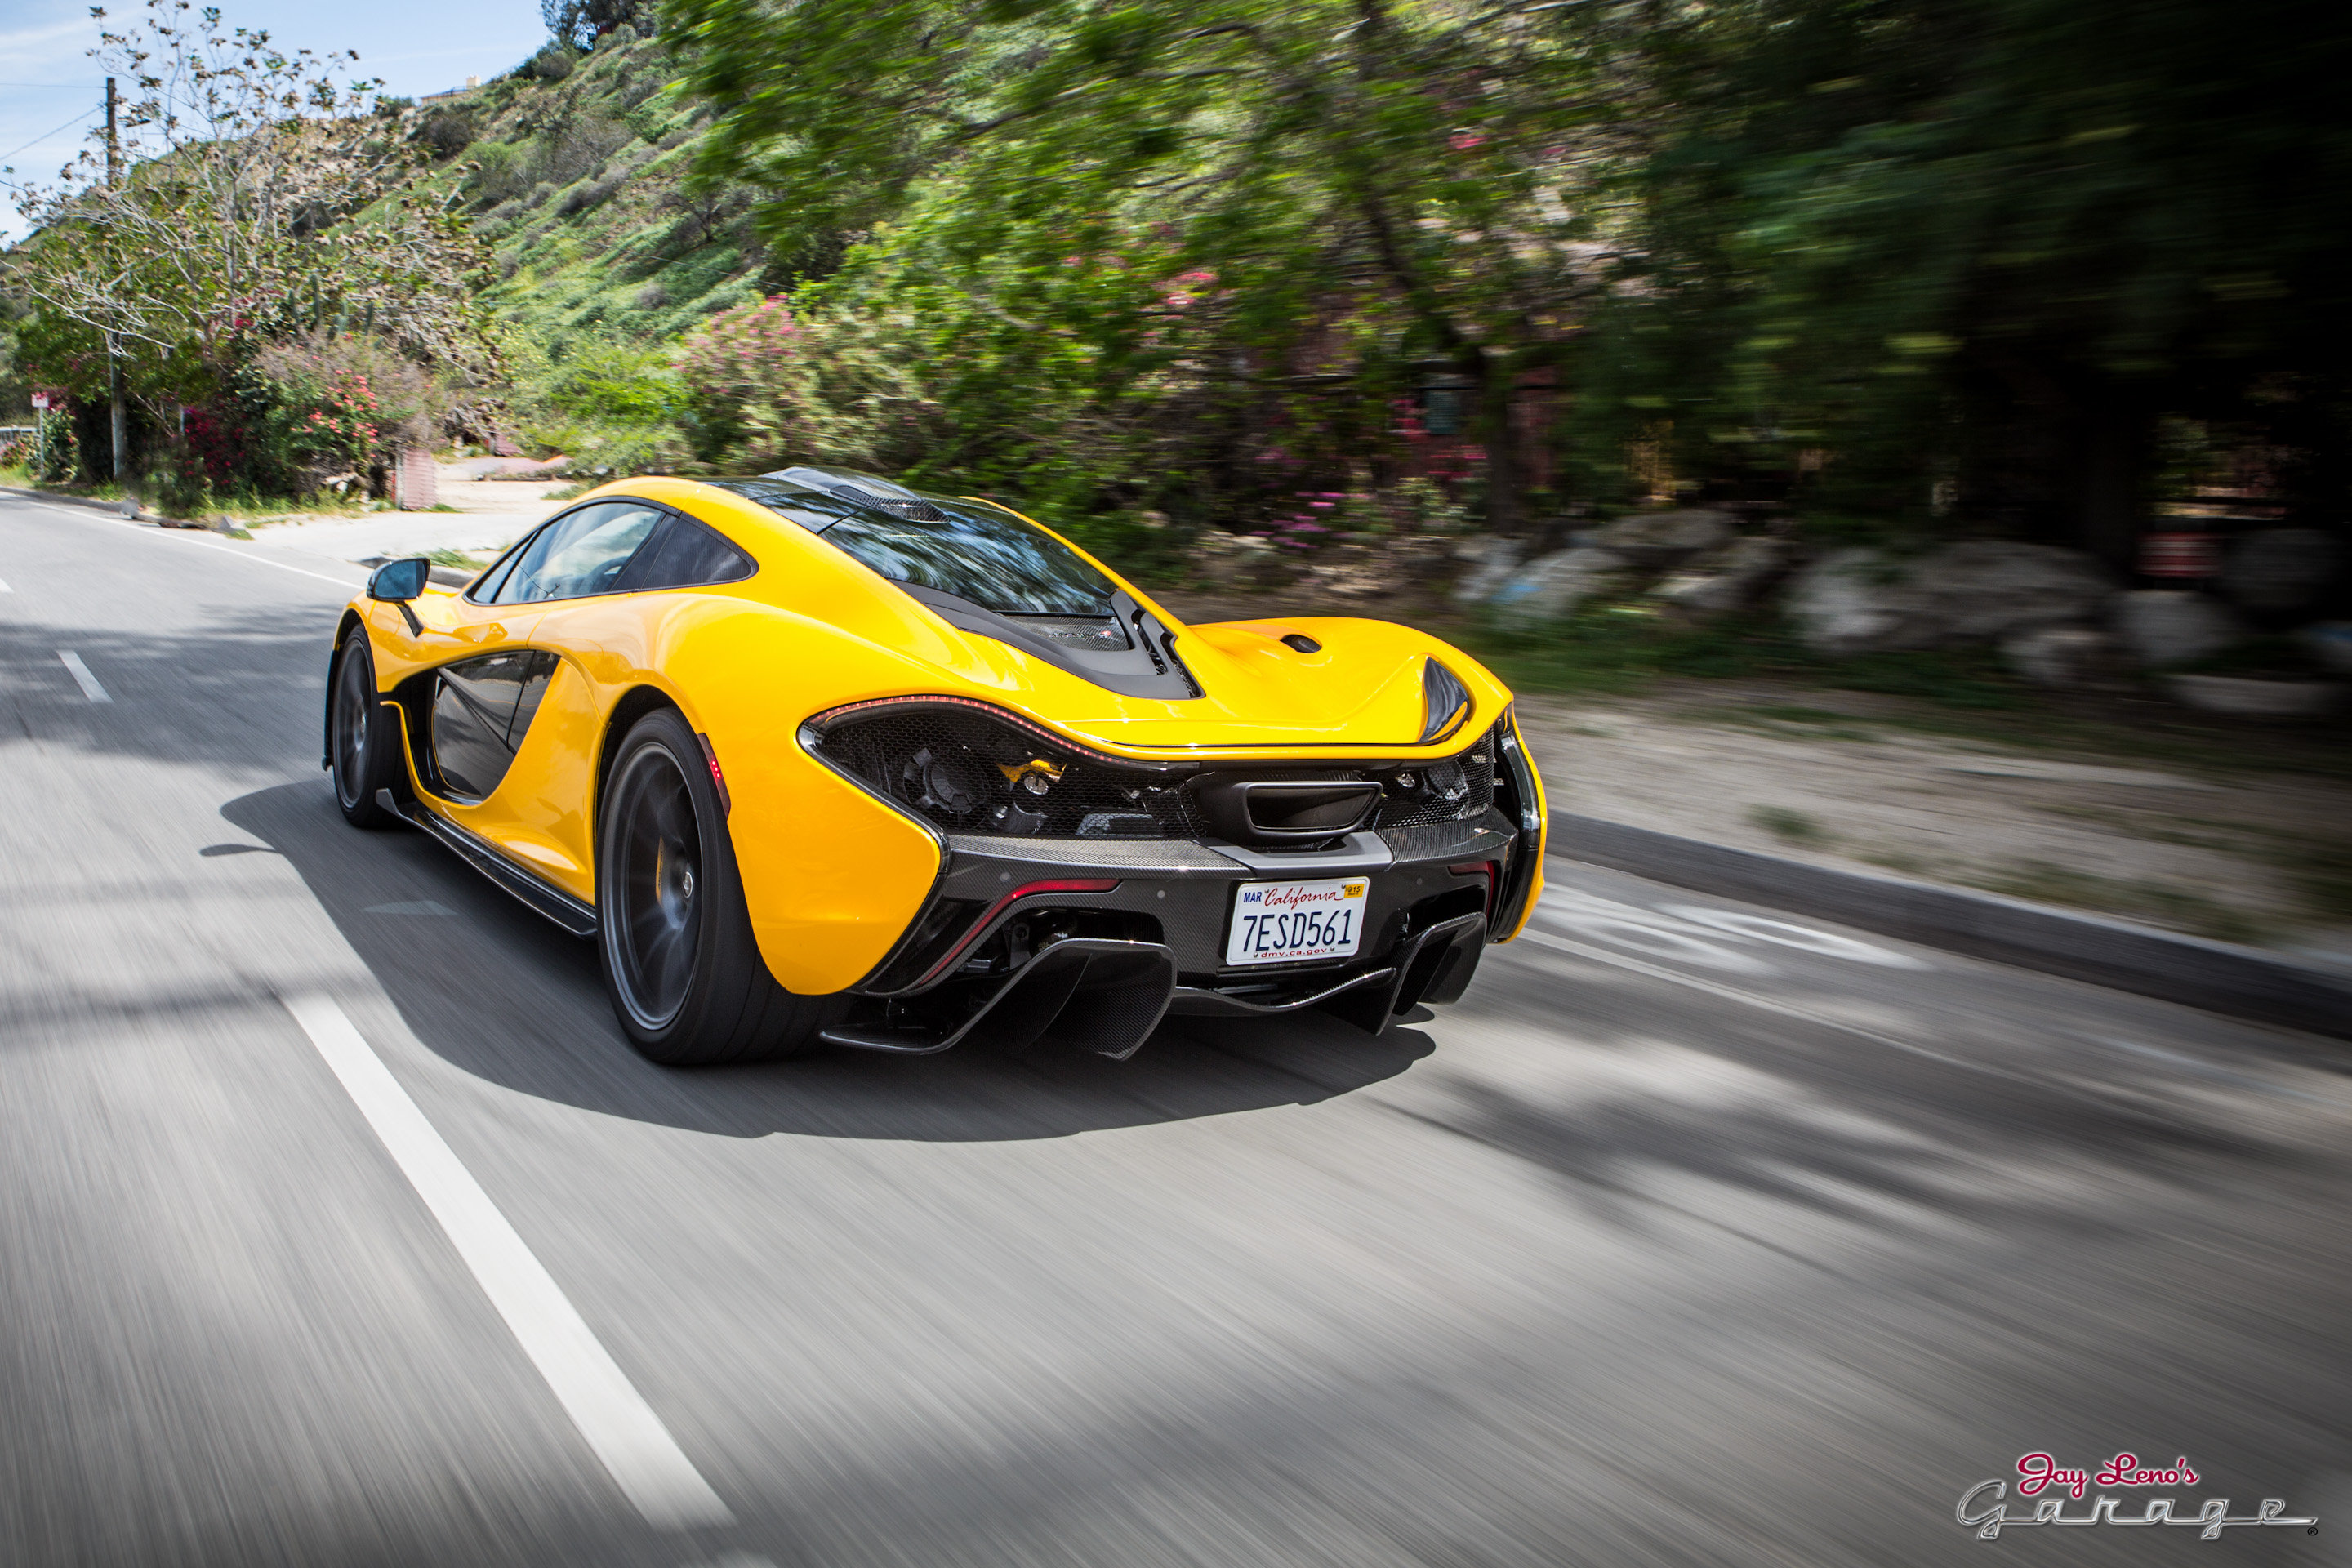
(965, 961)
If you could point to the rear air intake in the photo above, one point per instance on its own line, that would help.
(1275, 811)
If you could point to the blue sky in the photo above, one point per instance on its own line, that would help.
(51, 91)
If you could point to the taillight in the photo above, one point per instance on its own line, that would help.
(966, 767)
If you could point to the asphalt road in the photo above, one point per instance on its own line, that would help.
(1685, 1238)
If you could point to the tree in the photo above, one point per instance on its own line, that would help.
(252, 195)
(578, 23)
(1973, 252)
(1379, 191)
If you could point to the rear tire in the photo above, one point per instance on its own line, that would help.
(362, 736)
(680, 963)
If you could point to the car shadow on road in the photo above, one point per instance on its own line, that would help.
(503, 994)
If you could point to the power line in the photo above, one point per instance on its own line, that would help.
(45, 135)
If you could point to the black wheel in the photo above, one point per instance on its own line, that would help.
(363, 746)
(683, 970)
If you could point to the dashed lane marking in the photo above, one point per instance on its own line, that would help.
(619, 1425)
(80, 672)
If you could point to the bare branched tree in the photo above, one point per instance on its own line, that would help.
(253, 192)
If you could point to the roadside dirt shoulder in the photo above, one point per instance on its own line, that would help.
(1830, 778)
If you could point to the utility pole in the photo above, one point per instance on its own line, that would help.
(113, 343)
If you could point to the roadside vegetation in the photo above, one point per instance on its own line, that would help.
(1361, 287)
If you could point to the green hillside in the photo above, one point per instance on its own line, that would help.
(575, 169)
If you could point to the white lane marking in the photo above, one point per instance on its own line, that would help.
(179, 538)
(80, 672)
(2203, 1068)
(1805, 939)
(1644, 930)
(643, 1458)
(5, 589)
(1732, 993)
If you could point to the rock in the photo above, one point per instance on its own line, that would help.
(2245, 697)
(1552, 586)
(1859, 600)
(2163, 627)
(1988, 588)
(1851, 600)
(1240, 560)
(1661, 539)
(1355, 571)
(2282, 569)
(1492, 561)
(1725, 579)
(2061, 657)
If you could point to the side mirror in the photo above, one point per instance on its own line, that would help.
(400, 580)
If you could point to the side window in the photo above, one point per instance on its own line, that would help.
(683, 554)
(579, 553)
(485, 590)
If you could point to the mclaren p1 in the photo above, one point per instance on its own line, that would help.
(817, 757)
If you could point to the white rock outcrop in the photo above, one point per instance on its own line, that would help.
(1551, 587)
(1727, 579)
(1861, 600)
(1661, 539)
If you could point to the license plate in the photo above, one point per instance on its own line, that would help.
(1282, 923)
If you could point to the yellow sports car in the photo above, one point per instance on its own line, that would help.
(817, 757)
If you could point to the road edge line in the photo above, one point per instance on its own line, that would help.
(108, 512)
(618, 1425)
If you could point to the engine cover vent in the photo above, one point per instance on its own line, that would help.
(913, 510)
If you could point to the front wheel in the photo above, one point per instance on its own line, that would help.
(363, 745)
(680, 963)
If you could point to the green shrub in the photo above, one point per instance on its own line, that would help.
(344, 401)
(56, 458)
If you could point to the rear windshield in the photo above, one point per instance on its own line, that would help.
(990, 558)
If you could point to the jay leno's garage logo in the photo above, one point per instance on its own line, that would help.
(1984, 1507)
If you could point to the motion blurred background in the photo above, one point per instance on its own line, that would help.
(1983, 363)
(1908, 436)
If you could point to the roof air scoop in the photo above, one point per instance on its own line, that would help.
(863, 489)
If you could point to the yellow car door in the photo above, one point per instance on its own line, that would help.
(513, 730)
(609, 641)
